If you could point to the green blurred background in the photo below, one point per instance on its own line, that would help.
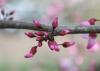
(14, 44)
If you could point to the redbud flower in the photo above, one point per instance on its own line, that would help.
(32, 52)
(53, 45)
(39, 43)
(47, 37)
(55, 23)
(68, 44)
(89, 22)
(92, 21)
(95, 47)
(39, 38)
(30, 34)
(46, 34)
(39, 33)
(91, 40)
(64, 32)
(37, 24)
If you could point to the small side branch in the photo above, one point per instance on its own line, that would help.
(31, 26)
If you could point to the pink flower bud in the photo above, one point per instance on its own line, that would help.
(53, 45)
(28, 55)
(37, 24)
(39, 33)
(56, 48)
(55, 23)
(30, 34)
(32, 52)
(92, 21)
(46, 34)
(68, 44)
(91, 40)
(64, 32)
(39, 44)
(39, 38)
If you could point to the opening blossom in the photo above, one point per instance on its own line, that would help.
(47, 37)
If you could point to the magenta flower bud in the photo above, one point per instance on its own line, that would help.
(53, 45)
(39, 43)
(92, 21)
(28, 55)
(30, 34)
(39, 38)
(37, 24)
(68, 44)
(39, 33)
(64, 32)
(32, 52)
(55, 23)
(91, 40)
(46, 34)
(56, 48)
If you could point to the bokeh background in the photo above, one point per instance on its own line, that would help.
(14, 44)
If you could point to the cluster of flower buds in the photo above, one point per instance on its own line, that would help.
(7, 15)
(47, 37)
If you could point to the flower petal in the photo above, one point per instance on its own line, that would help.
(30, 34)
(85, 24)
(39, 33)
(51, 45)
(64, 32)
(39, 44)
(39, 38)
(55, 23)
(68, 44)
(56, 48)
(91, 42)
(95, 48)
(28, 55)
(32, 52)
(37, 24)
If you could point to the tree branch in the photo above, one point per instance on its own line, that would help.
(31, 26)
